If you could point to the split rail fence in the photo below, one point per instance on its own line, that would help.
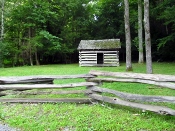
(91, 88)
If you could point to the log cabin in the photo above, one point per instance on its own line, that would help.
(99, 52)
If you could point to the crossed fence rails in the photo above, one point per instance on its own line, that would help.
(91, 88)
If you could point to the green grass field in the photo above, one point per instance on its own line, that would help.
(84, 117)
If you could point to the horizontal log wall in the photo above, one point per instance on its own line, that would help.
(111, 58)
(89, 58)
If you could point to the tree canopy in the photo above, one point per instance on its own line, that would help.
(44, 32)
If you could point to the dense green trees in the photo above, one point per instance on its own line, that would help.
(164, 26)
(42, 32)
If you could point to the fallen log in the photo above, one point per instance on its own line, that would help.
(135, 97)
(114, 100)
(169, 85)
(41, 100)
(155, 77)
(45, 86)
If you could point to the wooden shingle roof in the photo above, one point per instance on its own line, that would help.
(99, 44)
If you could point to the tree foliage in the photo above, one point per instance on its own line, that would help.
(49, 31)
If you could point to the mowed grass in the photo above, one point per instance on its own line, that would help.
(88, 117)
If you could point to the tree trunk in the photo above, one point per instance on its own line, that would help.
(147, 38)
(128, 37)
(36, 57)
(2, 32)
(140, 34)
(30, 48)
(2, 19)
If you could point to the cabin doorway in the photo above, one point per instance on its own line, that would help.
(100, 58)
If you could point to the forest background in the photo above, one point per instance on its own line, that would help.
(35, 32)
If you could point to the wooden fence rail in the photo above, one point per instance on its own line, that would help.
(166, 81)
(44, 85)
(39, 79)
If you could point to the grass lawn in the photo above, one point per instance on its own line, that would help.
(84, 117)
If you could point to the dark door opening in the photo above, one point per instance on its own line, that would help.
(99, 58)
